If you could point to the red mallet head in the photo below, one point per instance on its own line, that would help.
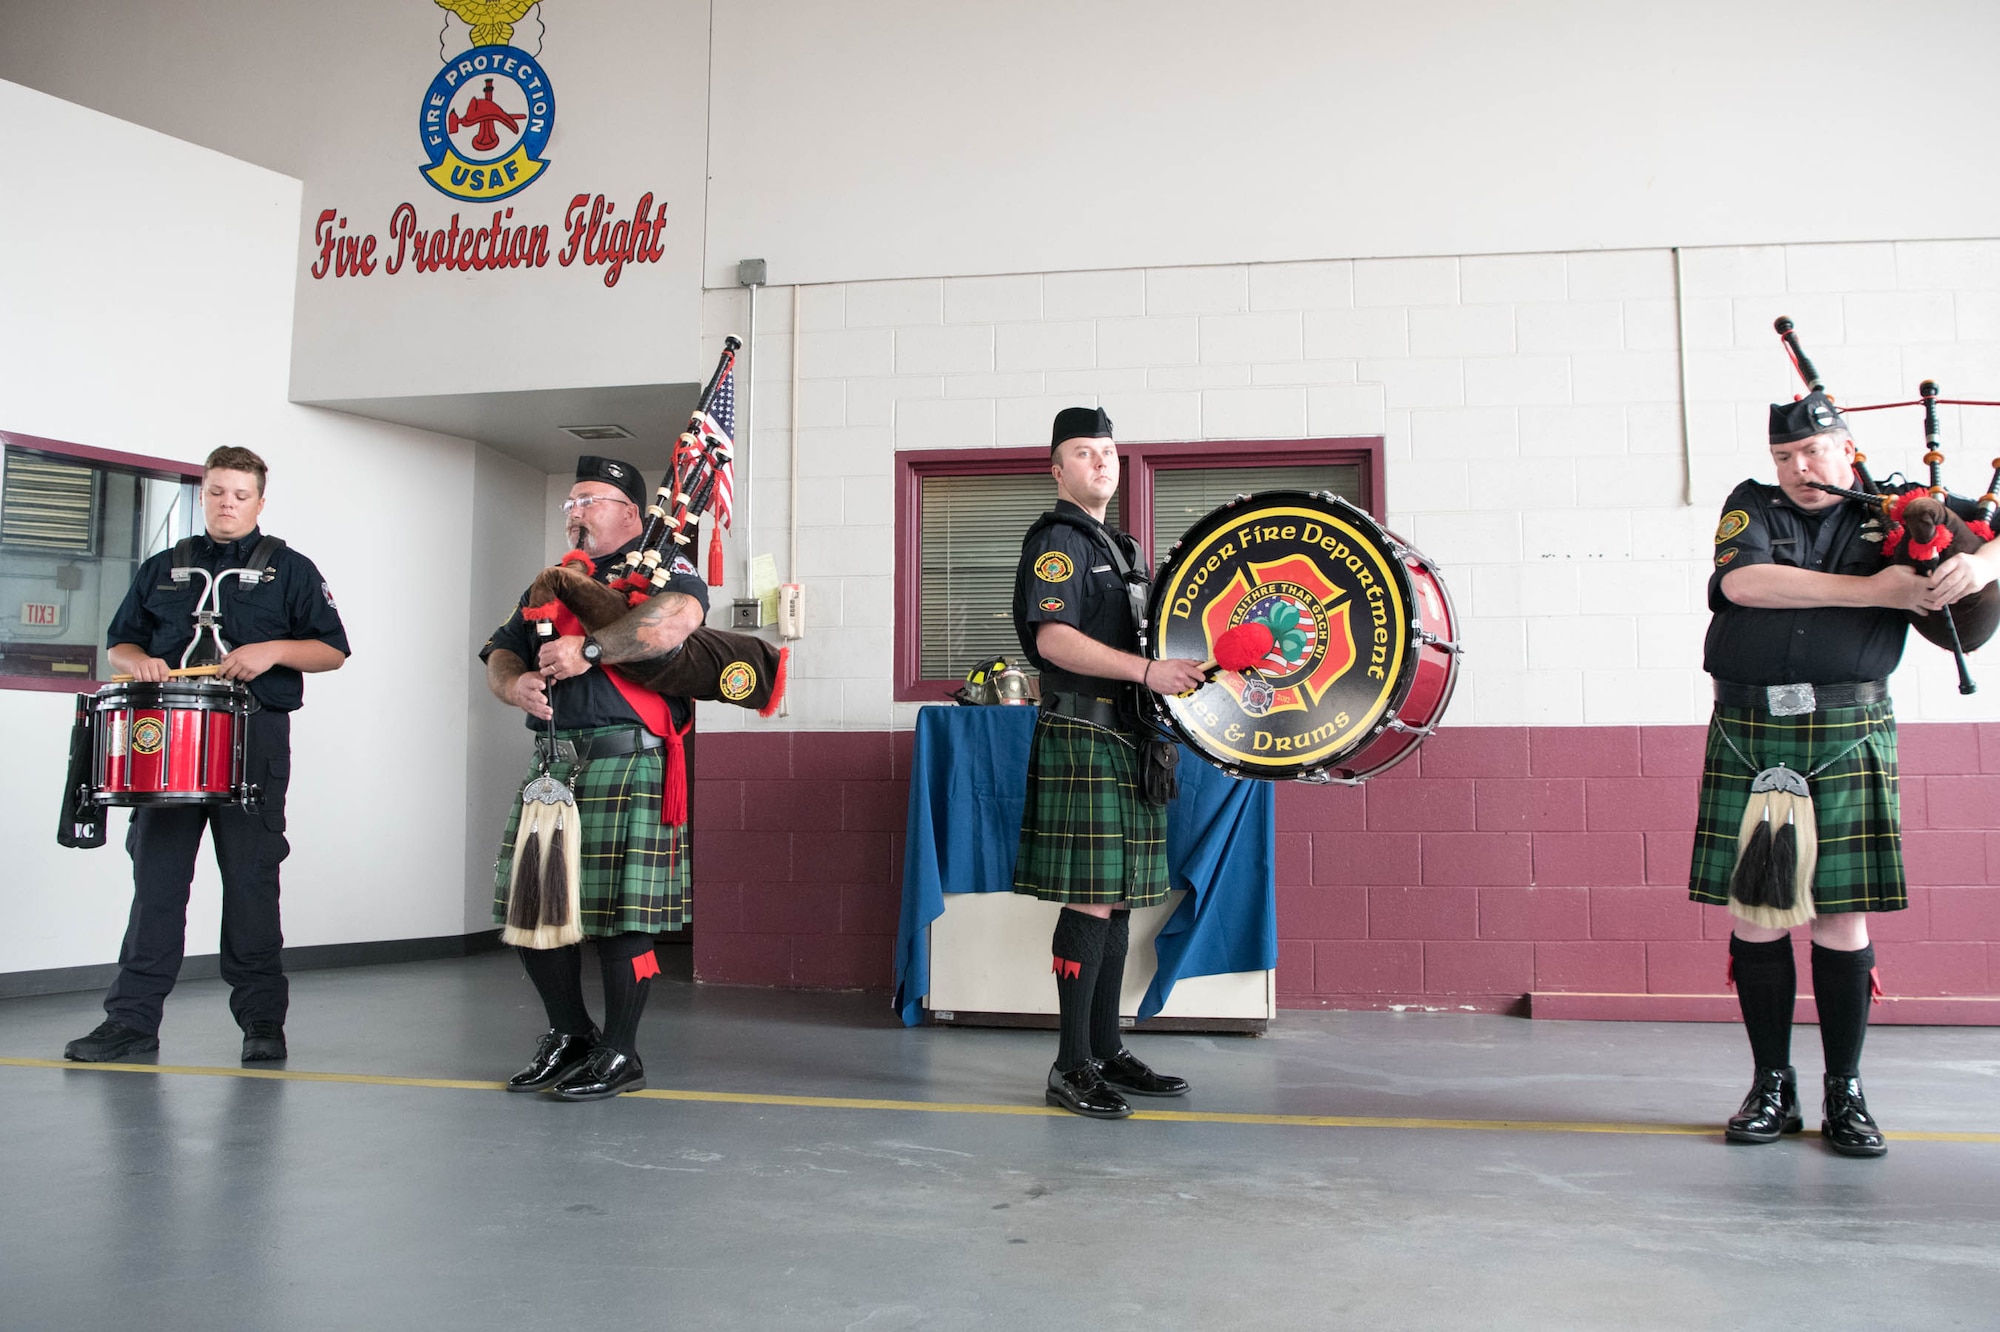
(1243, 647)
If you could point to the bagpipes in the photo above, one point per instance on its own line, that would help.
(1922, 529)
(711, 664)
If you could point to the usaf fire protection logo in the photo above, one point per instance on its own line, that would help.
(486, 118)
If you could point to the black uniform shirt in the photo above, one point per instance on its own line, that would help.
(1814, 645)
(591, 699)
(157, 614)
(1067, 577)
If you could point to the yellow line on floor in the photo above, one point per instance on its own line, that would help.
(969, 1108)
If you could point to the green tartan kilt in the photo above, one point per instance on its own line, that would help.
(1854, 802)
(636, 869)
(1087, 833)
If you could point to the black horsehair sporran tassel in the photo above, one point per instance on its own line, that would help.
(524, 903)
(1750, 884)
(1784, 864)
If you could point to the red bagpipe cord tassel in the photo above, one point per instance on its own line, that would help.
(715, 555)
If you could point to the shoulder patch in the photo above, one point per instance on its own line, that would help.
(1724, 556)
(326, 590)
(1050, 603)
(1052, 566)
(683, 565)
(1731, 526)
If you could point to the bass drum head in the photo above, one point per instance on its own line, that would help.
(1331, 586)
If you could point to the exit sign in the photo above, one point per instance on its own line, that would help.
(41, 614)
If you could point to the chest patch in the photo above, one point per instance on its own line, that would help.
(1050, 603)
(1731, 526)
(1052, 566)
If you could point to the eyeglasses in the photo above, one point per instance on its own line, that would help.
(585, 501)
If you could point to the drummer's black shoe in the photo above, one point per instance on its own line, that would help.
(110, 1041)
(1845, 1122)
(604, 1073)
(1084, 1092)
(556, 1057)
(1128, 1074)
(263, 1040)
(1770, 1111)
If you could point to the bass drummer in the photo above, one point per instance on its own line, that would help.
(281, 628)
(1090, 839)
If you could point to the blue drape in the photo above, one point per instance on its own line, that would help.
(968, 781)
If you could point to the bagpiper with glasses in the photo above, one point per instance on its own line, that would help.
(1798, 819)
(602, 736)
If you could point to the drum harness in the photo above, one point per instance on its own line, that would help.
(81, 823)
(1159, 756)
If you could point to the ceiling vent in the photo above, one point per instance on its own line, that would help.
(593, 433)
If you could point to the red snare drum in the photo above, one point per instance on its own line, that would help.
(171, 743)
(1364, 653)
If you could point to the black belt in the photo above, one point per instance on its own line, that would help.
(1097, 711)
(636, 740)
(1797, 699)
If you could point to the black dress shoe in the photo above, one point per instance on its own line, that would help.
(557, 1055)
(1125, 1072)
(1845, 1122)
(604, 1073)
(263, 1040)
(111, 1040)
(1771, 1110)
(1084, 1092)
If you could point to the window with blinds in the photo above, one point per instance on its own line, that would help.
(1182, 495)
(47, 504)
(969, 537)
(74, 528)
(961, 516)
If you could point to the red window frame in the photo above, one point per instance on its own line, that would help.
(130, 462)
(1138, 462)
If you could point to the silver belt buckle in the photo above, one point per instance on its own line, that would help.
(555, 751)
(1791, 700)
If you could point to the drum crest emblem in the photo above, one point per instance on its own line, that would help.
(148, 735)
(1334, 594)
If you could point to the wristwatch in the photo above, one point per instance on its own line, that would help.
(591, 649)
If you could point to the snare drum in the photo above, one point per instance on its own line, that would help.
(1365, 651)
(170, 743)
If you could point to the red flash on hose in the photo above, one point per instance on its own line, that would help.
(644, 965)
(1067, 969)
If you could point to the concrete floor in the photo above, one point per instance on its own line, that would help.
(176, 1198)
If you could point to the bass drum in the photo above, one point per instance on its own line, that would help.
(1365, 655)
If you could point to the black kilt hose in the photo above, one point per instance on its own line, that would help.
(1855, 803)
(1088, 836)
(635, 869)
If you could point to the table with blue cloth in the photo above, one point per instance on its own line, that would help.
(968, 782)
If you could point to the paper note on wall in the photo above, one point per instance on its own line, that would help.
(764, 584)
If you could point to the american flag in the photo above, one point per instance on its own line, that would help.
(718, 435)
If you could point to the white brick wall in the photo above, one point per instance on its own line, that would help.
(1532, 408)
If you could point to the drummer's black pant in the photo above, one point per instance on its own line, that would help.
(249, 847)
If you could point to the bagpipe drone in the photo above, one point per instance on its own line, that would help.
(1922, 530)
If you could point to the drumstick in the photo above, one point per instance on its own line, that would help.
(177, 673)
